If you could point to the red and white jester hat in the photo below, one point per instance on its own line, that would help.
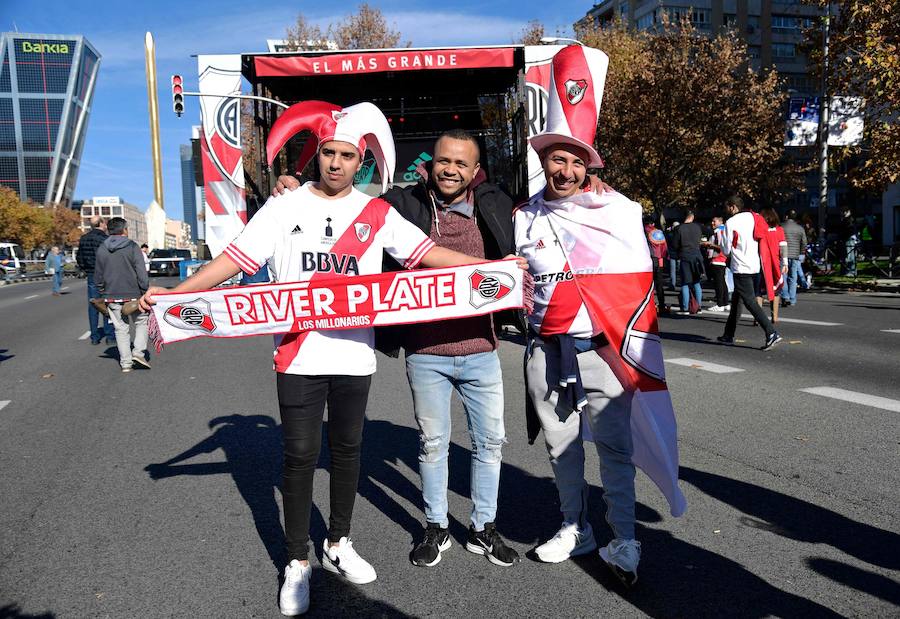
(361, 125)
(577, 76)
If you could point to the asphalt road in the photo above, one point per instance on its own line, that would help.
(155, 493)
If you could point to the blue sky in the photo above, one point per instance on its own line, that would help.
(116, 158)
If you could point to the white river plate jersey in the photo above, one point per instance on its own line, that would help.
(304, 237)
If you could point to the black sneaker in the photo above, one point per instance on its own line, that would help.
(490, 544)
(772, 340)
(724, 339)
(428, 551)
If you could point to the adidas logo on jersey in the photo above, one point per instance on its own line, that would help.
(297, 230)
(540, 244)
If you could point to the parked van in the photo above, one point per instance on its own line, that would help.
(12, 260)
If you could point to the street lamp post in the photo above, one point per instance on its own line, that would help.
(823, 130)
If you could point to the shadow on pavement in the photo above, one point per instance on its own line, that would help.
(12, 611)
(856, 578)
(796, 519)
(4, 356)
(677, 578)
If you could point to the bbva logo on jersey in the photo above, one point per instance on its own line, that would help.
(489, 286)
(321, 262)
(193, 315)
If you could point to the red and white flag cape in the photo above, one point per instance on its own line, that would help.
(603, 238)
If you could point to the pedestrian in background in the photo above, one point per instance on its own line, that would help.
(774, 264)
(53, 266)
(717, 264)
(86, 258)
(121, 277)
(673, 257)
(659, 251)
(795, 236)
(686, 241)
(146, 251)
(742, 250)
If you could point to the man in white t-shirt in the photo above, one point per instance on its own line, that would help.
(742, 250)
(323, 230)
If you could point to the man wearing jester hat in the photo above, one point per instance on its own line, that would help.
(594, 368)
(324, 229)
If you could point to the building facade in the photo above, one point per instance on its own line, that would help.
(189, 189)
(772, 29)
(46, 87)
(113, 206)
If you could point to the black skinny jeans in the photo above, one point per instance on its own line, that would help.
(658, 285)
(720, 285)
(745, 291)
(302, 400)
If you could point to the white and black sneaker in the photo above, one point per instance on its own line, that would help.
(569, 541)
(428, 552)
(622, 556)
(490, 544)
(342, 559)
(294, 597)
(772, 340)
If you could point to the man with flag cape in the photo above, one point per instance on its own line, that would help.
(593, 367)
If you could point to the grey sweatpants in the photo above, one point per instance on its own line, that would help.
(122, 326)
(608, 413)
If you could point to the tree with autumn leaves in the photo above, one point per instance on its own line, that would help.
(32, 226)
(864, 61)
(685, 122)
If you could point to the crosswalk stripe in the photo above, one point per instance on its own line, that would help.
(890, 330)
(85, 335)
(31, 296)
(706, 366)
(801, 321)
(856, 397)
(3, 404)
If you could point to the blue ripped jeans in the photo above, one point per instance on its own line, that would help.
(477, 380)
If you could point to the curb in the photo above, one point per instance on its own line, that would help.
(36, 278)
(863, 286)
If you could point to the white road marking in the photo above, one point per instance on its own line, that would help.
(85, 335)
(800, 321)
(31, 296)
(890, 330)
(706, 366)
(856, 397)
(64, 288)
(3, 404)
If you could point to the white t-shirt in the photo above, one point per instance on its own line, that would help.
(302, 236)
(741, 245)
(553, 279)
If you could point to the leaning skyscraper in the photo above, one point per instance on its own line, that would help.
(47, 83)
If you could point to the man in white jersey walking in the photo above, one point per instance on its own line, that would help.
(323, 230)
(581, 245)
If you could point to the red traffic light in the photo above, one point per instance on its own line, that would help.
(176, 90)
(176, 80)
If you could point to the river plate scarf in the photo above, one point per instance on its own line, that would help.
(603, 238)
(349, 302)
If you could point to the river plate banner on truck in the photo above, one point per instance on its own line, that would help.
(342, 303)
(224, 207)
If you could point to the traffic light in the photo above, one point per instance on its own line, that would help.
(177, 96)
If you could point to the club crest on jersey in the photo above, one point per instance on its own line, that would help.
(191, 316)
(575, 90)
(489, 286)
(363, 231)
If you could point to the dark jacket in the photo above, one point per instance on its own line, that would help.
(493, 214)
(120, 272)
(87, 249)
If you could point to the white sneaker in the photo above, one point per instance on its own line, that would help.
(716, 308)
(342, 559)
(622, 557)
(294, 597)
(569, 541)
